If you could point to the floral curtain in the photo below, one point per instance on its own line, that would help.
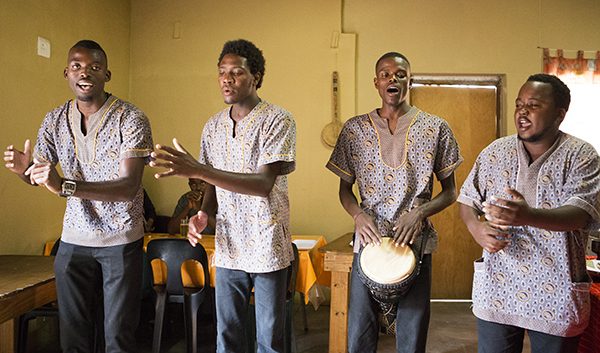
(576, 70)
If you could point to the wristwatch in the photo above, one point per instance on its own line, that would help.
(68, 188)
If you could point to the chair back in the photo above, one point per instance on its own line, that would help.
(174, 252)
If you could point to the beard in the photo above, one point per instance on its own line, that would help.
(540, 135)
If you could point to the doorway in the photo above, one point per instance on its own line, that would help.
(473, 106)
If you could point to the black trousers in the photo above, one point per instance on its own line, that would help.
(499, 338)
(92, 283)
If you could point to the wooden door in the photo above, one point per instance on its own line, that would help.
(471, 105)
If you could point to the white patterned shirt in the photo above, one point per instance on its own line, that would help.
(538, 282)
(252, 232)
(395, 172)
(118, 130)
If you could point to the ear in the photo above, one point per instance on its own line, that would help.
(375, 82)
(65, 72)
(410, 83)
(256, 78)
(108, 75)
(561, 116)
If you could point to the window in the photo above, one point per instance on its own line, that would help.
(582, 75)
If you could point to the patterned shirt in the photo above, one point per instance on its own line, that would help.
(394, 172)
(117, 131)
(252, 232)
(539, 281)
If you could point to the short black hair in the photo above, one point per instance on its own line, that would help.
(248, 50)
(560, 91)
(90, 44)
(392, 54)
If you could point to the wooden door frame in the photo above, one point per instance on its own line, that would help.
(496, 80)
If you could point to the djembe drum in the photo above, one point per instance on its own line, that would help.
(389, 271)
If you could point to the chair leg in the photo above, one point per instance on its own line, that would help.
(161, 298)
(190, 316)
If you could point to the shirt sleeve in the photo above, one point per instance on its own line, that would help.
(583, 184)
(472, 192)
(448, 156)
(278, 143)
(136, 133)
(45, 147)
(341, 162)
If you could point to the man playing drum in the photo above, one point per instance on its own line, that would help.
(539, 192)
(393, 153)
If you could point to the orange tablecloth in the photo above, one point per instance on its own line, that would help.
(310, 270)
(590, 339)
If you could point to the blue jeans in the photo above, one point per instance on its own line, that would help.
(499, 338)
(233, 290)
(89, 279)
(412, 319)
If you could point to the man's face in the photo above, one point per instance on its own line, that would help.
(536, 116)
(87, 72)
(235, 79)
(392, 80)
(196, 185)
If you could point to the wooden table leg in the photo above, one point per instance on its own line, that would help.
(7, 336)
(338, 321)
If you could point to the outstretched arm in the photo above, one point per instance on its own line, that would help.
(179, 162)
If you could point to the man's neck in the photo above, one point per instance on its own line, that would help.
(87, 108)
(393, 112)
(241, 109)
(536, 149)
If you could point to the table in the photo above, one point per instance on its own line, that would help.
(311, 271)
(338, 260)
(27, 283)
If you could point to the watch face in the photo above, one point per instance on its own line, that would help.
(68, 187)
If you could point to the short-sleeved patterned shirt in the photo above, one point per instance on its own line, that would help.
(539, 281)
(252, 232)
(395, 172)
(117, 131)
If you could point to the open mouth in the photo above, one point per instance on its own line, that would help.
(393, 90)
(524, 123)
(85, 85)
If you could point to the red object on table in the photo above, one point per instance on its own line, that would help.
(590, 339)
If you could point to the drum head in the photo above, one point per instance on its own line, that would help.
(387, 263)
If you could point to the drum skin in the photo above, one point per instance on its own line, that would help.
(387, 263)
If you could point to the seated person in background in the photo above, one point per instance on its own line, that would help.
(149, 213)
(189, 205)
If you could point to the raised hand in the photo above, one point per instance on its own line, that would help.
(18, 161)
(177, 161)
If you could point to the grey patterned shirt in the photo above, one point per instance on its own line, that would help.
(252, 232)
(117, 131)
(395, 172)
(539, 281)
